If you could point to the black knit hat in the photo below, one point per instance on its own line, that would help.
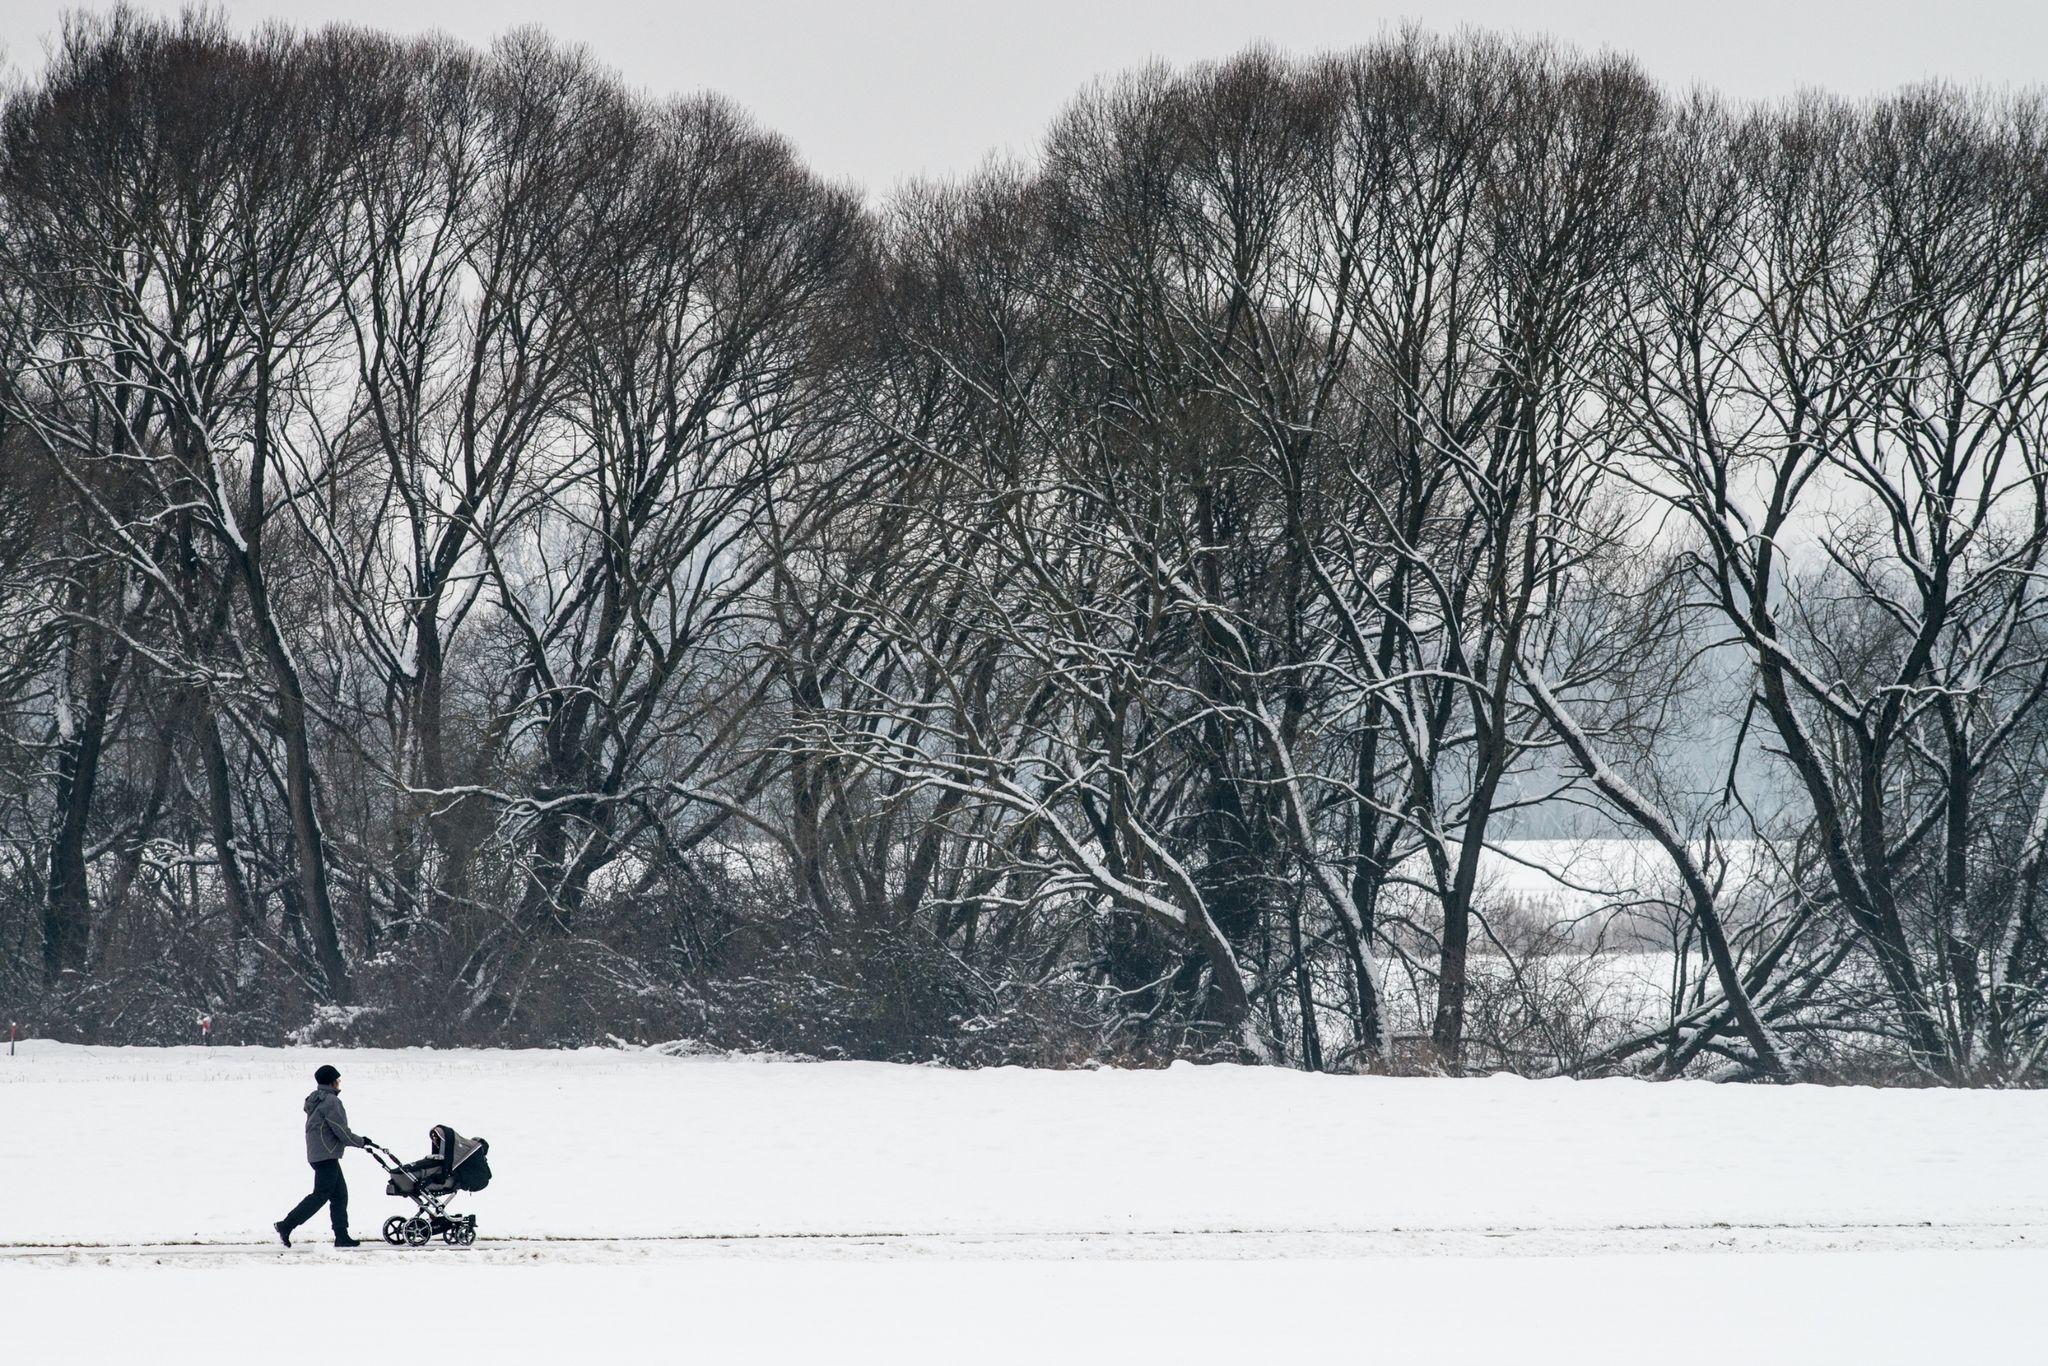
(327, 1076)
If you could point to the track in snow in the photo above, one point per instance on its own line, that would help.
(1097, 1245)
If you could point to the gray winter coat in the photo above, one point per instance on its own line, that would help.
(327, 1131)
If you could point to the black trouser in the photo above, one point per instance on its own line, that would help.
(329, 1190)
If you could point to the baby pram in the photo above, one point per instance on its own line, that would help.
(454, 1164)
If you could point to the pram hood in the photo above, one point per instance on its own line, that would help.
(453, 1148)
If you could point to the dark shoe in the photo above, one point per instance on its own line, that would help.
(343, 1240)
(284, 1233)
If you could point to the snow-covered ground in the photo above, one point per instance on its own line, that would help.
(750, 1210)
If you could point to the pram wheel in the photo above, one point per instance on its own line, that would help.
(416, 1231)
(394, 1230)
(461, 1233)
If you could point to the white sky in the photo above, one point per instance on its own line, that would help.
(876, 91)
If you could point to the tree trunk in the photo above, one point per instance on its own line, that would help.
(291, 714)
(67, 909)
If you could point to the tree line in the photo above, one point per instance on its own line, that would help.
(491, 556)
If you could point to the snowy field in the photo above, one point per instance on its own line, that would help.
(656, 1208)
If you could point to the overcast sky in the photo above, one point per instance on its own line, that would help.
(876, 91)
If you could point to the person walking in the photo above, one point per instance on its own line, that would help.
(327, 1137)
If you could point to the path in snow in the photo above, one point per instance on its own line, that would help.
(1100, 1245)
